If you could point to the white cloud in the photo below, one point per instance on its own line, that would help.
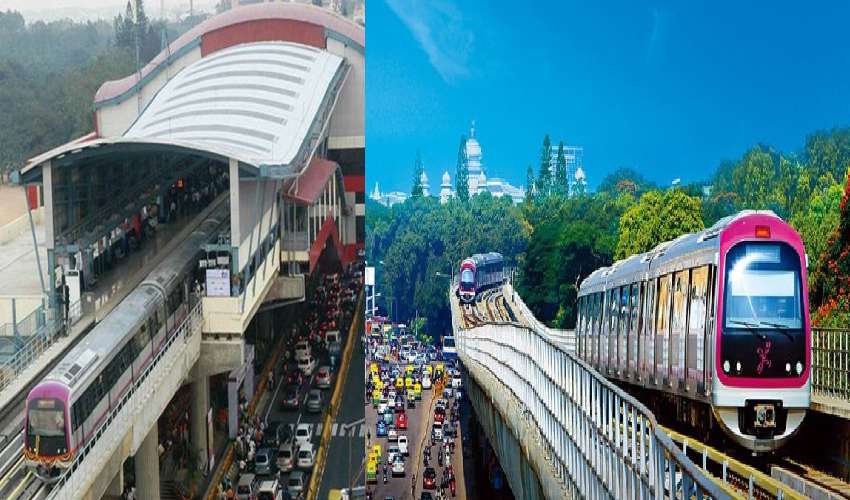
(437, 26)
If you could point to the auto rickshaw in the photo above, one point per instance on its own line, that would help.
(372, 472)
(376, 397)
(408, 369)
(399, 383)
(408, 382)
(376, 448)
(417, 390)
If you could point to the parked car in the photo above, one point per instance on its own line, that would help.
(286, 456)
(323, 377)
(314, 401)
(306, 456)
(295, 483)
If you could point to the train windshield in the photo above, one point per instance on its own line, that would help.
(46, 418)
(763, 287)
(467, 277)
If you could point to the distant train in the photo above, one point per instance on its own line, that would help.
(69, 405)
(714, 324)
(478, 273)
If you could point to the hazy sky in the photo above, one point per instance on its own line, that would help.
(671, 88)
(94, 9)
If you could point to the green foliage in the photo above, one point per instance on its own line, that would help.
(462, 172)
(529, 184)
(626, 179)
(416, 191)
(544, 176)
(562, 186)
(656, 218)
(832, 289)
(816, 223)
(420, 238)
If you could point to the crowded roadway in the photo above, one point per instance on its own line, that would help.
(276, 450)
(413, 397)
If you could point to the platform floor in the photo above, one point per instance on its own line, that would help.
(838, 407)
(111, 288)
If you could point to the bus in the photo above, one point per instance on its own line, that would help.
(449, 349)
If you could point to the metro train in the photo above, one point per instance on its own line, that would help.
(66, 408)
(714, 325)
(478, 273)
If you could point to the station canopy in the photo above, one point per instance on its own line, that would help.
(264, 104)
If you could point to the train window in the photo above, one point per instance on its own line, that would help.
(622, 339)
(635, 331)
(661, 325)
(648, 341)
(677, 324)
(696, 320)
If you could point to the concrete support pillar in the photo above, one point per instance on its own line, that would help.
(232, 408)
(116, 487)
(147, 466)
(200, 409)
(249, 382)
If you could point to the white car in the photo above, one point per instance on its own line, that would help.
(426, 382)
(402, 445)
(382, 407)
(302, 350)
(307, 365)
(398, 466)
(286, 457)
(303, 435)
(306, 457)
(392, 434)
(456, 382)
(392, 452)
(391, 395)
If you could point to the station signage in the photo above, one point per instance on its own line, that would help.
(218, 282)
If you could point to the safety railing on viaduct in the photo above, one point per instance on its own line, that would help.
(600, 442)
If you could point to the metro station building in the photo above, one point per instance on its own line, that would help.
(269, 97)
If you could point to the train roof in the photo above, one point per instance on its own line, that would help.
(486, 258)
(687, 250)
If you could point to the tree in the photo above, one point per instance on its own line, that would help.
(625, 178)
(417, 191)
(832, 291)
(529, 185)
(462, 172)
(658, 217)
(544, 177)
(562, 186)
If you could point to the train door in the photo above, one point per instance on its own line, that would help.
(648, 338)
(610, 358)
(678, 326)
(623, 336)
(604, 328)
(697, 311)
(635, 328)
(708, 339)
(596, 327)
(662, 331)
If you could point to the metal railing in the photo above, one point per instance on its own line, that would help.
(831, 362)
(565, 337)
(47, 330)
(599, 441)
(85, 468)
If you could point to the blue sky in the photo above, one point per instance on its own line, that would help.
(669, 88)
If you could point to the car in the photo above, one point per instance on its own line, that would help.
(291, 399)
(246, 487)
(392, 433)
(382, 406)
(411, 403)
(335, 349)
(307, 365)
(332, 336)
(402, 445)
(426, 496)
(387, 418)
(399, 405)
(269, 490)
(302, 350)
(295, 484)
(314, 401)
(437, 431)
(392, 452)
(323, 377)
(305, 458)
(391, 395)
(286, 456)
(303, 435)
(294, 376)
(263, 461)
(398, 466)
(380, 429)
(401, 421)
(426, 382)
(429, 479)
(439, 414)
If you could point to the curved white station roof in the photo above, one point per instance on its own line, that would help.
(254, 102)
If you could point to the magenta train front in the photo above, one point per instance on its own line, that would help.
(719, 317)
(478, 273)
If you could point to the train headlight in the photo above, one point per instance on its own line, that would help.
(726, 366)
(788, 367)
(799, 368)
(738, 366)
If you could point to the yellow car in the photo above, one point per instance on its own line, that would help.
(441, 366)
(408, 369)
(417, 390)
(408, 382)
(376, 449)
(429, 369)
(399, 383)
(373, 368)
(372, 472)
